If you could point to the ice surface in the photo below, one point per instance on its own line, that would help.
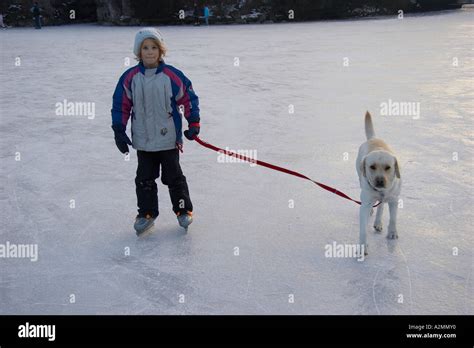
(82, 250)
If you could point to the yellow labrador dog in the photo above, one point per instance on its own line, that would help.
(379, 177)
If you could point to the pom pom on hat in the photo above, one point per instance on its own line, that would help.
(145, 33)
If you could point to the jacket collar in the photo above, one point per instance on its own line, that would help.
(158, 70)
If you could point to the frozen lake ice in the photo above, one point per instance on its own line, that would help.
(297, 96)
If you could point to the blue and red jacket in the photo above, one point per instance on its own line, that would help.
(156, 105)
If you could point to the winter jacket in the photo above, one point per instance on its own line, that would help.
(35, 10)
(154, 104)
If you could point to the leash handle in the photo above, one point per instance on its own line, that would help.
(277, 168)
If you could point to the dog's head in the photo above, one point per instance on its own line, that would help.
(380, 168)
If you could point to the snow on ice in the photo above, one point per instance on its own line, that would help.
(297, 96)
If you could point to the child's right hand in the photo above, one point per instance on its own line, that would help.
(121, 139)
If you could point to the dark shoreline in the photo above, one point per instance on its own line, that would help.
(226, 12)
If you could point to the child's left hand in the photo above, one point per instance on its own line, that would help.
(192, 131)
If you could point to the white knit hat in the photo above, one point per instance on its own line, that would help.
(145, 33)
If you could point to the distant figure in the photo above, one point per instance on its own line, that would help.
(2, 25)
(36, 15)
(196, 14)
(206, 14)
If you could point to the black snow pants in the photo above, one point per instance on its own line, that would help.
(171, 175)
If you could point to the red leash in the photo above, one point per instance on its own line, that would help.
(271, 166)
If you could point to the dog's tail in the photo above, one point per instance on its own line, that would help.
(369, 127)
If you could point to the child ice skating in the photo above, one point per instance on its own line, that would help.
(156, 96)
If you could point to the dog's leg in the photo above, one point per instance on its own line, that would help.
(392, 226)
(378, 218)
(363, 219)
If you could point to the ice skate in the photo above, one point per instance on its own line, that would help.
(144, 224)
(185, 219)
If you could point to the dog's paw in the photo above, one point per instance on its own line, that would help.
(392, 234)
(378, 226)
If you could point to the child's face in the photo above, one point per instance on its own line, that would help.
(150, 53)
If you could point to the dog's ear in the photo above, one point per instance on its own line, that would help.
(397, 168)
(362, 167)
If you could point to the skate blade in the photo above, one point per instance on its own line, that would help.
(145, 232)
(185, 227)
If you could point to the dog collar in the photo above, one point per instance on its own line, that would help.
(374, 188)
